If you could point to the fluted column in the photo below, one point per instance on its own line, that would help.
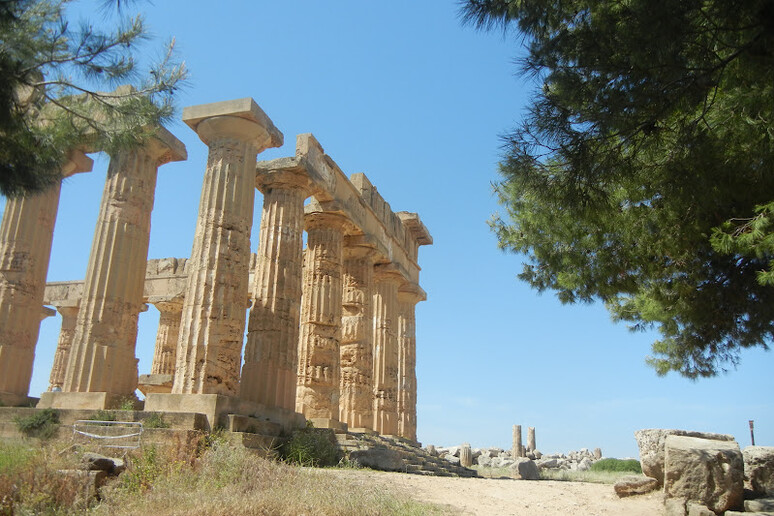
(269, 374)
(408, 297)
(102, 357)
(65, 342)
(385, 308)
(26, 235)
(213, 321)
(317, 396)
(166, 336)
(357, 363)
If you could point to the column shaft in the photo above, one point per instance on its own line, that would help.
(407, 362)
(65, 342)
(269, 374)
(356, 402)
(213, 321)
(164, 353)
(102, 357)
(26, 234)
(318, 356)
(385, 301)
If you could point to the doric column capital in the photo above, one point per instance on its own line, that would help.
(387, 272)
(359, 252)
(67, 310)
(411, 293)
(164, 147)
(287, 179)
(168, 305)
(77, 162)
(240, 119)
(324, 219)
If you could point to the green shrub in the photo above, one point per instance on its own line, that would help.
(42, 423)
(310, 446)
(155, 420)
(103, 415)
(143, 471)
(617, 465)
(127, 403)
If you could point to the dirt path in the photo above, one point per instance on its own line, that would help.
(479, 496)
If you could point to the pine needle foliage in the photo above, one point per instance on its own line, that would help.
(59, 90)
(641, 174)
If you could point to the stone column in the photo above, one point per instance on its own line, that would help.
(317, 396)
(517, 450)
(26, 234)
(385, 300)
(357, 362)
(102, 358)
(408, 297)
(213, 321)
(166, 336)
(269, 374)
(531, 439)
(65, 342)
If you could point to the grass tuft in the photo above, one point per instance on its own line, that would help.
(42, 424)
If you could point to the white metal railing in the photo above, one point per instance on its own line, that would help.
(125, 435)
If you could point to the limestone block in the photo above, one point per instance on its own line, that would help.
(651, 444)
(759, 469)
(484, 460)
(378, 458)
(635, 485)
(584, 464)
(706, 471)
(759, 505)
(695, 509)
(525, 468)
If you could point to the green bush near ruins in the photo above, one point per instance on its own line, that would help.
(41, 424)
(220, 480)
(310, 446)
(628, 465)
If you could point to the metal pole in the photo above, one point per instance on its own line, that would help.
(752, 433)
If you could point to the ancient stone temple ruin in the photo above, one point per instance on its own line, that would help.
(330, 333)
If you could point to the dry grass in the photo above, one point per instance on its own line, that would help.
(223, 480)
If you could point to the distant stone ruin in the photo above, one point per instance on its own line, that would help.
(331, 328)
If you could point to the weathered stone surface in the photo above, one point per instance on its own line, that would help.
(269, 374)
(62, 354)
(213, 319)
(97, 462)
(102, 357)
(759, 469)
(385, 341)
(26, 234)
(466, 456)
(706, 471)
(408, 296)
(484, 460)
(651, 444)
(525, 468)
(695, 509)
(319, 352)
(635, 485)
(584, 464)
(377, 458)
(759, 505)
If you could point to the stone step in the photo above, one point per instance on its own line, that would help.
(252, 425)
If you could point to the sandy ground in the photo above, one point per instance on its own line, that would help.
(480, 496)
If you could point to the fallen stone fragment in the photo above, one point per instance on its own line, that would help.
(525, 468)
(695, 509)
(759, 469)
(651, 443)
(708, 472)
(759, 505)
(635, 485)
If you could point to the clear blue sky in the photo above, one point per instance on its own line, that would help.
(401, 91)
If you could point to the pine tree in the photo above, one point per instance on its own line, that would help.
(51, 74)
(642, 174)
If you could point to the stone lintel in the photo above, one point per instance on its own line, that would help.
(245, 108)
(217, 407)
(356, 199)
(155, 383)
(333, 424)
(418, 230)
(83, 400)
